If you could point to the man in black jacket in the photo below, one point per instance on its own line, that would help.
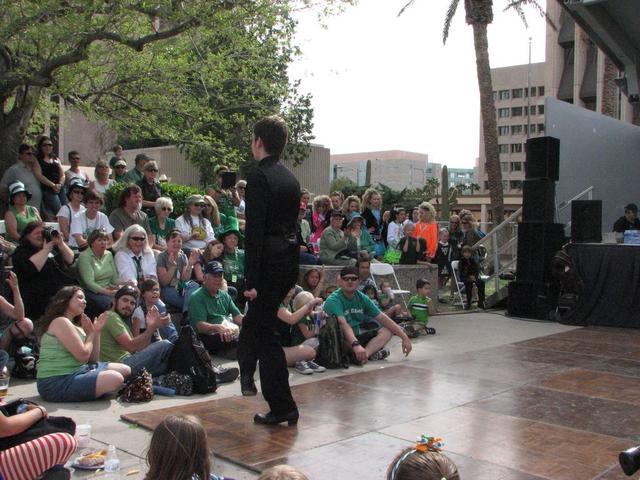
(629, 221)
(271, 268)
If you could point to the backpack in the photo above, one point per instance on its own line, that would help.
(190, 357)
(331, 351)
(137, 389)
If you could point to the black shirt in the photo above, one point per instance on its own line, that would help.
(272, 203)
(150, 192)
(622, 225)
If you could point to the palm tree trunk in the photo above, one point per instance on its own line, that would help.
(489, 124)
(609, 89)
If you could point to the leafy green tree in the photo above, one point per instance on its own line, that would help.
(195, 73)
(343, 184)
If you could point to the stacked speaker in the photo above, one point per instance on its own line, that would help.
(539, 238)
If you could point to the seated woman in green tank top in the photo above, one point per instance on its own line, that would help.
(19, 214)
(69, 370)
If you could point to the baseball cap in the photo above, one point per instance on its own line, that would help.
(120, 163)
(213, 267)
(126, 290)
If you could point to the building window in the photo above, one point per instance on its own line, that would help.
(503, 95)
(533, 91)
(516, 93)
(505, 185)
(495, 95)
(540, 109)
(503, 130)
(504, 166)
(540, 127)
(516, 148)
(541, 91)
(503, 112)
(486, 185)
(516, 111)
(516, 166)
(515, 184)
(516, 129)
(532, 128)
(503, 148)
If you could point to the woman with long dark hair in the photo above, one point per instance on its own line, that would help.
(49, 172)
(69, 370)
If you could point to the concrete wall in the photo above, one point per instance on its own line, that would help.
(595, 150)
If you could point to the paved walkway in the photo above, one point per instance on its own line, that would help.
(455, 334)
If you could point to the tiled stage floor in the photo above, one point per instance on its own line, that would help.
(556, 407)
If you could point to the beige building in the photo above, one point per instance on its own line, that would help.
(519, 114)
(396, 169)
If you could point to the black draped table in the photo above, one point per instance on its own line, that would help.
(611, 292)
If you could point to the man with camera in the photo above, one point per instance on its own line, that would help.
(41, 263)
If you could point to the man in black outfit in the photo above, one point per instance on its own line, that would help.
(629, 221)
(271, 269)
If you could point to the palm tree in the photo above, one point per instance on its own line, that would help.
(479, 14)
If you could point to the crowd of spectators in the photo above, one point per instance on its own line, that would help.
(101, 287)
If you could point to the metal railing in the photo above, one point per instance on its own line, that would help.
(501, 256)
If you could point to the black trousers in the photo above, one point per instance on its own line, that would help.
(260, 340)
(468, 286)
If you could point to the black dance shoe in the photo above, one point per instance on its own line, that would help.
(270, 419)
(248, 386)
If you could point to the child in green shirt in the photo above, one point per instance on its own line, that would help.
(420, 305)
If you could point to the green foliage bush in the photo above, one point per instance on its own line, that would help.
(177, 193)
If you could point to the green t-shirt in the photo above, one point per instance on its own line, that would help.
(55, 359)
(226, 206)
(203, 307)
(419, 308)
(110, 349)
(356, 310)
(31, 215)
(233, 264)
(296, 334)
(169, 224)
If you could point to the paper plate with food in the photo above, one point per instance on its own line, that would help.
(90, 459)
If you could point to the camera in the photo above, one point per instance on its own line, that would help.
(50, 233)
(630, 460)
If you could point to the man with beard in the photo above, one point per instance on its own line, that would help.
(117, 343)
(271, 269)
(129, 212)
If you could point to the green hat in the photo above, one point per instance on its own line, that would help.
(191, 199)
(231, 227)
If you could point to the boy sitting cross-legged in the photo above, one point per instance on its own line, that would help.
(420, 306)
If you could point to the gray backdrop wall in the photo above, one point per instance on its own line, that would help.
(595, 150)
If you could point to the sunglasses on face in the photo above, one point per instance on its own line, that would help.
(155, 170)
(199, 204)
(166, 209)
(138, 239)
(350, 279)
(121, 166)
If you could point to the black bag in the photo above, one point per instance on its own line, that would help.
(42, 427)
(190, 357)
(137, 389)
(180, 382)
(331, 351)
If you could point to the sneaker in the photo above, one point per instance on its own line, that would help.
(380, 354)
(430, 330)
(225, 375)
(315, 367)
(303, 368)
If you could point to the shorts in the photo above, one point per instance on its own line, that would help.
(79, 386)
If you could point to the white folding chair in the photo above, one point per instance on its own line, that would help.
(459, 284)
(386, 269)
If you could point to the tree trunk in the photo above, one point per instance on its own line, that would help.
(489, 124)
(13, 126)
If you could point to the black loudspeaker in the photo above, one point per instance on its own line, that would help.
(538, 200)
(543, 158)
(586, 221)
(529, 299)
(537, 244)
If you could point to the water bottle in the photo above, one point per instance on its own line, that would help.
(317, 319)
(112, 463)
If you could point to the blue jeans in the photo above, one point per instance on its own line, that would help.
(53, 201)
(101, 301)
(154, 357)
(171, 296)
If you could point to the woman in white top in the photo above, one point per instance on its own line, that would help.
(134, 258)
(102, 182)
(91, 219)
(69, 213)
(396, 229)
(196, 230)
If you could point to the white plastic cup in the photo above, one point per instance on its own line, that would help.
(83, 435)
